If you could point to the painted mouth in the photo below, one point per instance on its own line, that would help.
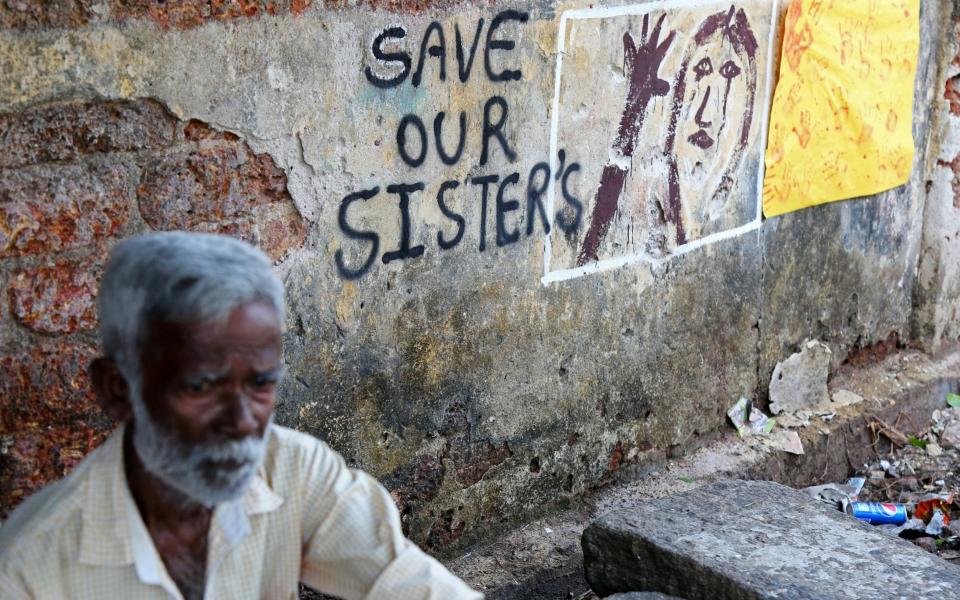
(701, 139)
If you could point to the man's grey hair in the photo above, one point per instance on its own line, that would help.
(177, 277)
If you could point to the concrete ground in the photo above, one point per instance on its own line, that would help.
(543, 559)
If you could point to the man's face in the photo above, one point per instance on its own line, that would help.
(208, 392)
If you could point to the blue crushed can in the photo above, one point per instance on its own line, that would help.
(878, 513)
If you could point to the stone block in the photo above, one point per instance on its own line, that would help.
(46, 387)
(54, 208)
(950, 437)
(222, 188)
(56, 298)
(755, 539)
(186, 14)
(38, 14)
(397, 6)
(185, 189)
(800, 382)
(280, 228)
(67, 131)
(198, 131)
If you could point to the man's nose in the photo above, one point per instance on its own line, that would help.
(699, 117)
(239, 421)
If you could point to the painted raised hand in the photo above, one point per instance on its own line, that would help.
(642, 65)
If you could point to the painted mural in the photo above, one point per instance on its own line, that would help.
(682, 91)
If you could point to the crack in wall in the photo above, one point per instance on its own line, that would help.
(758, 356)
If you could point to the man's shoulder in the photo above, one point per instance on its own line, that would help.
(287, 444)
(43, 517)
(291, 439)
(292, 454)
(53, 515)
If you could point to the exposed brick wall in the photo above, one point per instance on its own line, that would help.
(399, 6)
(184, 14)
(952, 95)
(49, 419)
(180, 14)
(218, 184)
(67, 132)
(74, 179)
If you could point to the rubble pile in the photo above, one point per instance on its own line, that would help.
(922, 475)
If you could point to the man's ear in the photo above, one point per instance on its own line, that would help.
(111, 387)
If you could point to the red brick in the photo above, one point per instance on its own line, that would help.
(280, 228)
(954, 166)
(56, 298)
(298, 6)
(185, 14)
(50, 209)
(398, 6)
(197, 131)
(616, 457)
(182, 191)
(445, 531)
(419, 483)
(41, 14)
(224, 188)
(41, 457)
(952, 94)
(478, 459)
(67, 131)
(47, 387)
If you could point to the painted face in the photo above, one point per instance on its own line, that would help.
(712, 114)
(716, 71)
(205, 402)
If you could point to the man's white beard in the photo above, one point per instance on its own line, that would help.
(190, 468)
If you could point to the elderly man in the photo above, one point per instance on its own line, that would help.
(198, 494)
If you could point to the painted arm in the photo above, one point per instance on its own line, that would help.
(642, 64)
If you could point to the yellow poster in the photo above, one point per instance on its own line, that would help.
(842, 115)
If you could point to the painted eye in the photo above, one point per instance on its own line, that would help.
(703, 68)
(729, 70)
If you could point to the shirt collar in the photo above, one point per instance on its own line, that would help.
(109, 509)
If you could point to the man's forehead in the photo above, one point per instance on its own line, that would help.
(250, 325)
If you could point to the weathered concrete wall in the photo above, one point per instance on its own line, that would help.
(938, 280)
(437, 335)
